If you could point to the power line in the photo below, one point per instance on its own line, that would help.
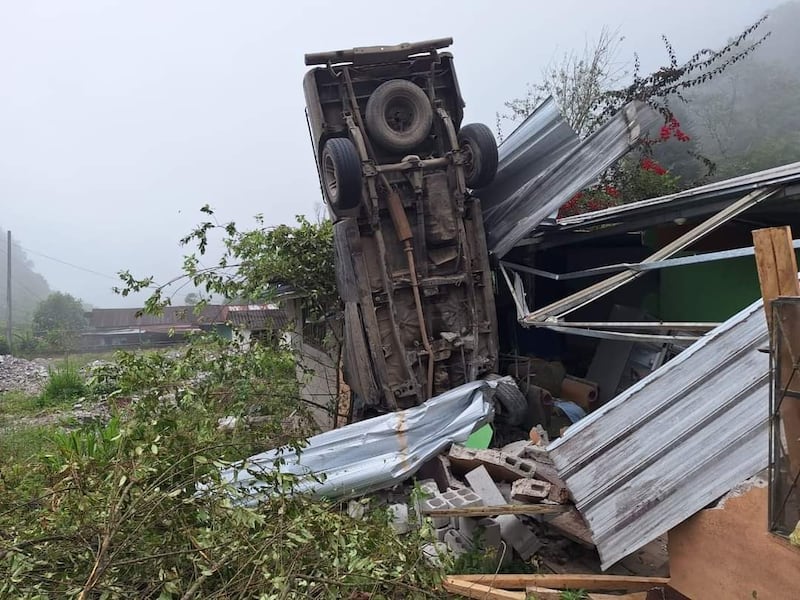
(69, 264)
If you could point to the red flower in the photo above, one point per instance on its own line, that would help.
(665, 133)
(648, 164)
(612, 191)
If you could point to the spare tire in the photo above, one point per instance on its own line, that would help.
(513, 404)
(478, 142)
(340, 167)
(399, 115)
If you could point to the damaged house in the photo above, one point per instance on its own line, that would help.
(479, 325)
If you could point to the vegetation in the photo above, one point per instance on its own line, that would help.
(64, 384)
(114, 510)
(591, 86)
(59, 321)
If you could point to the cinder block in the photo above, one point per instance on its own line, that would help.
(439, 470)
(399, 514)
(434, 552)
(441, 531)
(437, 503)
(530, 490)
(429, 487)
(461, 498)
(517, 448)
(483, 485)
(501, 466)
(456, 542)
(518, 535)
(491, 532)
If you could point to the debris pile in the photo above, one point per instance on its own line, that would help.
(506, 502)
(20, 375)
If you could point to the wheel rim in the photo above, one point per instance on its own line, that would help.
(329, 173)
(469, 160)
(400, 114)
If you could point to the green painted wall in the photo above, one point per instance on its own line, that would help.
(710, 291)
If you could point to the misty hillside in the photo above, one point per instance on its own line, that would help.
(28, 288)
(747, 119)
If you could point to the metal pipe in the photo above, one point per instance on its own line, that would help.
(640, 266)
(403, 230)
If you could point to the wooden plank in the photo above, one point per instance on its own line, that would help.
(490, 511)
(541, 593)
(777, 274)
(469, 589)
(776, 264)
(572, 526)
(569, 581)
(634, 596)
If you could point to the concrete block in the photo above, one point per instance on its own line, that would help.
(505, 490)
(434, 552)
(517, 448)
(491, 532)
(428, 487)
(501, 466)
(437, 503)
(461, 498)
(441, 531)
(439, 470)
(518, 535)
(399, 514)
(356, 509)
(483, 485)
(537, 453)
(530, 490)
(456, 542)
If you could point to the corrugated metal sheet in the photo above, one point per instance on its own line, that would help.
(542, 139)
(121, 318)
(517, 212)
(258, 317)
(674, 442)
(376, 453)
(729, 189)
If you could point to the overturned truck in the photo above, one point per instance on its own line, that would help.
(396, 168)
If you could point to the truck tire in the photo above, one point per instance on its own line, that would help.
(481, 149)
(399, 115)
(513, 404)
(340, 166)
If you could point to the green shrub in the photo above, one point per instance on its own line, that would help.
(64, 384)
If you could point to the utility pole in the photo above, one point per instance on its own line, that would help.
(8, 293)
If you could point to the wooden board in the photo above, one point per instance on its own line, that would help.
(469, 589)
(776, 263)
(569, 581)
(490, 511)
(777, 274)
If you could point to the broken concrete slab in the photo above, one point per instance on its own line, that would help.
(484, 486)
(530, 490)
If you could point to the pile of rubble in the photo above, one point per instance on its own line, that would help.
(18, 374)
(509, 503)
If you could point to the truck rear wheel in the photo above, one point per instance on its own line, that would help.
(477, 140)
(399, 115)
(341, 174)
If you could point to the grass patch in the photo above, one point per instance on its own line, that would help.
(20, 444)
(18, 404)
(64, 385)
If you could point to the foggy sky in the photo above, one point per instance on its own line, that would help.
(118, 120)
